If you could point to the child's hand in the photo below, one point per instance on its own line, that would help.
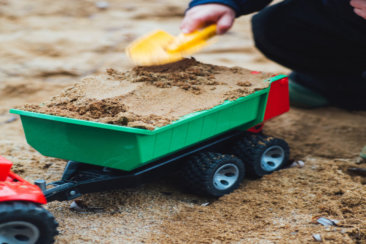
(359, 6)
(206, 14)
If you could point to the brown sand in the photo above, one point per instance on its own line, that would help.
(146, 97)
(47, 45)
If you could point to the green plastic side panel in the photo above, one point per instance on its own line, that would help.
(92, 145)
(128, 148)
(244, 114)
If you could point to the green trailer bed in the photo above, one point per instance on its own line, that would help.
(126, 148)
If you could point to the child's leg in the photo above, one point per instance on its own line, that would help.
(327, 53)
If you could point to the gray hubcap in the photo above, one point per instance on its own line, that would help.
(225, 176)
(18, 232)
(272, 158)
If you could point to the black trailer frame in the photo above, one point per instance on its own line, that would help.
(80, 178)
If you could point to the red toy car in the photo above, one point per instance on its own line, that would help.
(22, 219)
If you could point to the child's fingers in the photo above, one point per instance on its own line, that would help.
(191, 23)
(203, 15)
(225, 23)
(360, 4)
(359, 7)
(360, 12)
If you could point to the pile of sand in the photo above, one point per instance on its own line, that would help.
(149, 97)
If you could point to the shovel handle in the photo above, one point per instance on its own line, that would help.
(184, 41)
(205, 33)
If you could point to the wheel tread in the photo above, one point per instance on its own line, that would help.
(10, 211)
(249, 148)
(195, 173)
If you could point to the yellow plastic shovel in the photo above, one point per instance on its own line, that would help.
(159, 47)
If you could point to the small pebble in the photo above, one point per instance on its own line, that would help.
(317, 237)
(314, 167)
(102, 4)
(360, 160)
(327, 222)
(75, 206)
(297, 164)
(9, 119)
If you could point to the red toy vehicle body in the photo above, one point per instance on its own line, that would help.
(14, 188)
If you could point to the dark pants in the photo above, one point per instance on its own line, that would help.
(326, 51)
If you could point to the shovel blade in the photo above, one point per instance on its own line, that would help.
(159, 47)
(151, 49)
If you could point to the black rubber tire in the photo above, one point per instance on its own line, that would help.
(32, 214)
(252, 147)
(198, 173)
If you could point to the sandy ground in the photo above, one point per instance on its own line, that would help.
(47, 45)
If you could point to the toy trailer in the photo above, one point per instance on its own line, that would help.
(22, 219)
(213, 148)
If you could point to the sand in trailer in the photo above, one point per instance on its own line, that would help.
(149, 97)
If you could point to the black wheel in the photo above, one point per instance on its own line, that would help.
(213, 174)
(262, 154)
(26, 223)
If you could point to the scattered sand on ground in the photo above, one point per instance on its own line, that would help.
(283, 207)
(146, 97)
(45, 46)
